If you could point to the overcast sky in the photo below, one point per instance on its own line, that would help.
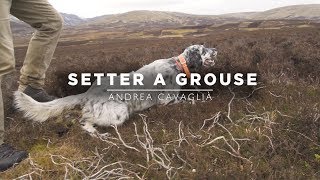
(92, 8)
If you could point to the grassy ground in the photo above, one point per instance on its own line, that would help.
(269, 131)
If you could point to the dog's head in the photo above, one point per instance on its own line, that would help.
(198, 56)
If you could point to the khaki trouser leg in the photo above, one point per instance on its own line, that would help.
(7, 63)
(1, 117)
(48, 24)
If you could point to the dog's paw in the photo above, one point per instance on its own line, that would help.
(101, 136)
(105, 135)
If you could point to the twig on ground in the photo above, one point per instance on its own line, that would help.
(122, 141)
(302, 136)
(229, 105)
(215, 119)
(181, 135)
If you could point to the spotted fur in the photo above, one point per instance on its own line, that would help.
(98, 109)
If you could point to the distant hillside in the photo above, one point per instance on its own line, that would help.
(142, 20)
(72, 20)
(159, 19)
(241, 15)
(296, 12)
(154, 19)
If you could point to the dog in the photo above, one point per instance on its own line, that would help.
(98, 109)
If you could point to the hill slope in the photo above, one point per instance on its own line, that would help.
(135, 19)
(160, 19)
(71, 19)
(142, 20)
(297, 12)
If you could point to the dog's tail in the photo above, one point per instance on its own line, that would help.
(40, 112)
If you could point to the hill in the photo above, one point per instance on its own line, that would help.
(297, 12)
(156, 19)
(141, 20)
(72, 20)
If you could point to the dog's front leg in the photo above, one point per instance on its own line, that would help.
(89, 127)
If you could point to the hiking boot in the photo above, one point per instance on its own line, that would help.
(39, 95)
(10, 156)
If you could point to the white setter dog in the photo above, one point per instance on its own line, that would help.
(99, 109)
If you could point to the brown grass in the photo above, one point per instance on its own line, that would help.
(270, 131)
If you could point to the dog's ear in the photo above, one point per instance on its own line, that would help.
(203, 50)
(194, 59)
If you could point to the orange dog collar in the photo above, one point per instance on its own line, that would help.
(182, 64)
